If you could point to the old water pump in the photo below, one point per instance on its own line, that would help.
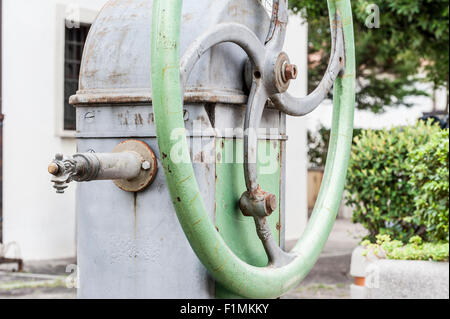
(197, 88)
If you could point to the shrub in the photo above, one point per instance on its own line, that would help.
(318, 143)
(430, 177)
(416, 249)
(378, 184)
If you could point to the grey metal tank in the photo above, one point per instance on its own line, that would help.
(130, 245)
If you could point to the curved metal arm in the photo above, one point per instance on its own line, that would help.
(256, 104)
(278, 23)
(224, 32)
(290, 105)
(216, 256)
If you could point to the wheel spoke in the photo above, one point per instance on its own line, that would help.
(224, 32)
(278, 23)
(277, 257)
(256, 103)
(290, 105)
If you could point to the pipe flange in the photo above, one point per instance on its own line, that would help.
(149, 166)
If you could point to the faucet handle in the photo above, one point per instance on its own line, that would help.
(63, 171)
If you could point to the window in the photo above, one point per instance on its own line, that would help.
(75, 39)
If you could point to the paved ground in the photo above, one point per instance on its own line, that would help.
(39, 280)
(329, 278)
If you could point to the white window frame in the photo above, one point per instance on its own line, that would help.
(83, 15)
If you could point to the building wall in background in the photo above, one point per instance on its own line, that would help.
(395, 116)
(296, 160)
(40, 222)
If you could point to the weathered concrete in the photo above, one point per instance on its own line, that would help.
(402, 279)
(359, 263)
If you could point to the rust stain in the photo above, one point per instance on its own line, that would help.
(184, 180)
(194, 198)
(219, 268)
(138, 119)
(135, 213)
(151, 118)
(199, 158)
(188, 16)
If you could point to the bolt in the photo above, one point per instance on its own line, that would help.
(271, 203)
(53, 169)
(146, 165)
(290, 72)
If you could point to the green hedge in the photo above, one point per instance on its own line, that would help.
(430, 179)
(380, 187)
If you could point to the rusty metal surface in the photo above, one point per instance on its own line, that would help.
(149, 166)
(136, 120)
(278, 24)
(303, 106)
(116, 65)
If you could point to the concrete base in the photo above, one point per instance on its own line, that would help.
(398, 279)
(358, 292)
(403, 279)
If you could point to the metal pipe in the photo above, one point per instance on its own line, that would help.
(113, 166)
(86, 167)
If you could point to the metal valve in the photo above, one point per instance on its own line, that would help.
(132, 166)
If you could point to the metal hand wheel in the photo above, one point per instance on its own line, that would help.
(270, 80)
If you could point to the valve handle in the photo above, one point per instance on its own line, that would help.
(286, 269)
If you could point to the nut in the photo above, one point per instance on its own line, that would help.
(271, 203)
(146, 165)
(53, 169)
(290, 72)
